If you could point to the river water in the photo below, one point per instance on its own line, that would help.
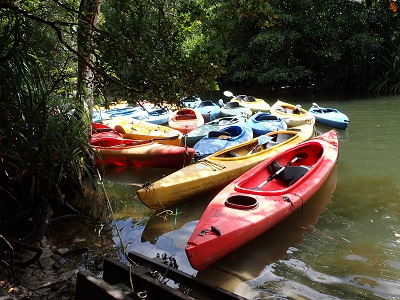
(344, 244)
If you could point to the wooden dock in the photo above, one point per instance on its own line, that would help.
(151, 279)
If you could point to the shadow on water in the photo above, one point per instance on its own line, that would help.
(134, 176)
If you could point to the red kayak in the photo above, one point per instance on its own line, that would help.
(112, 149)
(101, 131)
(261, 198)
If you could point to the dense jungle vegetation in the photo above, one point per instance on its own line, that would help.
(60, 57)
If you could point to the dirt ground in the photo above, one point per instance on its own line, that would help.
(51, 277)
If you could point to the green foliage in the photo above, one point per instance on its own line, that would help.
(44, 148)
(307, 43)
(157, 48)
(387, 75)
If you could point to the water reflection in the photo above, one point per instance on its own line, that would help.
(174, 218)
(134, 176)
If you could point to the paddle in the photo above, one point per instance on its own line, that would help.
(271, 177)
(262, 140)
(320, 109)
(228, 94)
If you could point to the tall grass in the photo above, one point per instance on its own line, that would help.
(387, 75)
(44, 151)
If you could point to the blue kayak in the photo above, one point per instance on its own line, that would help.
(218, 140)
(234, 109)
(158, 116)
(198, 133)
(128, 112)
(329, 117)
(190, 101)
(208, 109)
(263, 123)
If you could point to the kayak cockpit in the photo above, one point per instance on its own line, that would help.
(282, 173)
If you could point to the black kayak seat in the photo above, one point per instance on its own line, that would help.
(249, 99)
(206, 103)
(265, 117)
(293, 173)
(233, 104)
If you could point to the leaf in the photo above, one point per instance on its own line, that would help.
(393, 6)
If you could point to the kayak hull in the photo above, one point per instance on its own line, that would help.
(293, 116)
(198, 133)
(185, 120)
(142, 154)
(142, 130)
(263, 123)
(218, 169)
(330, 117)
(250, 204)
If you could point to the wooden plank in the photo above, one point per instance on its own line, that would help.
(198, 289)
(116, 272)
(88, 286)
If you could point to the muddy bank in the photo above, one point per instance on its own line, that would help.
(52, 276)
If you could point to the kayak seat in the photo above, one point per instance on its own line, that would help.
(186, 117)
(233, 154)
(217, 134)
(233, 104)
(293, 173)
(205, 103)
(283, 137)
(265, 117)
(249, 99)
(270, 144)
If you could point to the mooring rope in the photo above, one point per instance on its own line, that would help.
(287, 199)
(151, 190)
(118, 230)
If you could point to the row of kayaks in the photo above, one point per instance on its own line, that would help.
(196, 112)
(188, 132)
(263, 174)
(200, 140)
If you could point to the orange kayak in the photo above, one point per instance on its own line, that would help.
(185, 120)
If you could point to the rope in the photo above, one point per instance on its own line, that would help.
(185, 153)
(150, 189)
(117, 229)
(287, 199)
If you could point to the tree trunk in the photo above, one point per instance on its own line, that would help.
(88, 14)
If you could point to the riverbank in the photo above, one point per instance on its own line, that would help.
(51, 277)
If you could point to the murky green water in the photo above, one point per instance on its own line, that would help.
(345, 244)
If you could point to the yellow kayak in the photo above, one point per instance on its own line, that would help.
(220, 168)
(255, 104)
(141, 130)
(293, 115)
